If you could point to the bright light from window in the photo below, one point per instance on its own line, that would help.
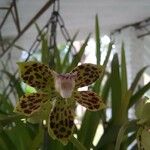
(90, 50)
(105, 40)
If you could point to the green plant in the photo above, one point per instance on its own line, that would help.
(19, 134)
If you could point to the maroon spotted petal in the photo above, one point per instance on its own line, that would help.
(87, 74)
(61, 121)
(89, 99)
(31, 103)
(36, 75)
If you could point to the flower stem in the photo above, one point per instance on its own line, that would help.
(77, 144)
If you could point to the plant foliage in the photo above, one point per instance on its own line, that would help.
(18, 134)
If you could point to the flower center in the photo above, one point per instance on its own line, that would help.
(65, 83)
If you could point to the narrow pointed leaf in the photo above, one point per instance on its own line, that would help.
(124, 82)
(134, 98)
(116, 89)
(37, 141)
(77, 144)
(122, 133)
(58, 66)
(98, 41)
(78, 56)
(108, 138)
(15, 82)
(137, 78)
(106, 89)
(88, 128)
(8, 141)
(44, 50)
(66, 58)
(45, 54)
(108, 54)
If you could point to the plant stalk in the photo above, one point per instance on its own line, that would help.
(77, 144)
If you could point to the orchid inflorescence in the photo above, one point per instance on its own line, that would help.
(57, 95)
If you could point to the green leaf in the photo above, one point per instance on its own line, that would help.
(131, 138)
(66, 58)
(98, 41)
(108, 54)
(45, 53)
(124, 106)
(122, 133)
(137, 78)
(77, 144)
(7, 119)
(126, 94)
(120, 136)
(116, 92)
(5, 104)
(58, 66)
(109, 137)
(15, 82)
(106, 89)
(20, 133)
(37, 141)
(105, 63)
(3, 146)
(88, 128)
(78, 56)
(52, 144)
(44, 50)
(124, 81)
(8, 141)
(134, 98)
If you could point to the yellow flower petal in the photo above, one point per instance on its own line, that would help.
(143, 136)
(61, 121)
(89, 99)
(87, 74)
(36, 75)
(29, 104)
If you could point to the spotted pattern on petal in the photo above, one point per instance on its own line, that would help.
(87, 74)
(143, 136)
(36, 74)
(31, 103)
(61, 121)
(89, 99)
(42, 113)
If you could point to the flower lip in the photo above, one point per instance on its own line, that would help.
(65, 83)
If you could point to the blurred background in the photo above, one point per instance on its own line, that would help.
(119, 25)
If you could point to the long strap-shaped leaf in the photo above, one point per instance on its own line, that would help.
(78, 56)
(122, 133)
(134, 98)
(116, 90)
(98, 41)
(66, 58)
(137, 78)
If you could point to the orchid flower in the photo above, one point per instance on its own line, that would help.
(57, 95)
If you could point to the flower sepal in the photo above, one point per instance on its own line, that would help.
(61, 121)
